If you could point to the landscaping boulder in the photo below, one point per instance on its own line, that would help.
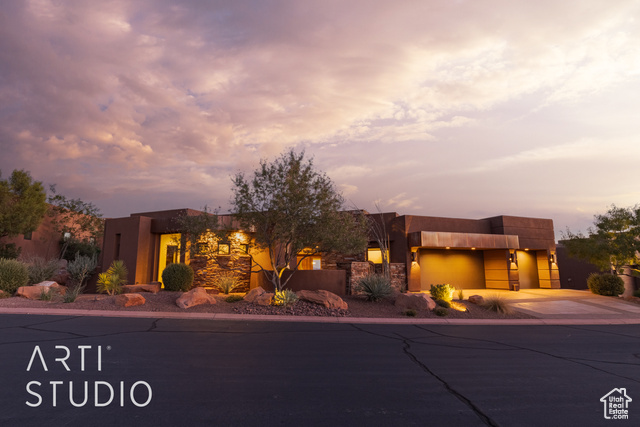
(154, 288)
(254, 294)
(35, 291)
(322, 297)
(419, 302)
(476, 299)
(195, 296)
(264, 299)
(130, 300)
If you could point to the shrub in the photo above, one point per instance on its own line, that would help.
(41, 269)
(460, 295)
(72, 293)
(284, 298)
(636, 293)
(234, 298)
(9, 251)
(443, 303)
(46, 295)
(441, 311)
(605, 284)
(496, 304)
(177, 277)
(227, 283)
(13, 274)
(374, 286)
(81, 268)
(111, 282)
(443, 292)
(410, 312)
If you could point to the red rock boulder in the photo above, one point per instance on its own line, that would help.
(129, 300)
(414, 302)
(195, 296)
(322, 297)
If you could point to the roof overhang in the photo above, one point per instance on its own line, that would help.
(439, 239)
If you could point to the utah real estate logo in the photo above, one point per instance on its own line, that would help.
(616, 404)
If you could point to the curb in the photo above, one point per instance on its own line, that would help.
(314, 319)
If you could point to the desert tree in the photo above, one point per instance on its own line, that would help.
(79, 223)
(22, 207)
(293, 212)
(612, 243)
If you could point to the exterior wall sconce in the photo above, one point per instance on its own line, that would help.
(552, 258)
(513, 257)
(414, 256)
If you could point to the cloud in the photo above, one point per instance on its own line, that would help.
(174, 97)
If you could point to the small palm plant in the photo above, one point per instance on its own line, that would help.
(112, 280)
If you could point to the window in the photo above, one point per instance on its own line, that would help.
(309, 263)
(223, 249)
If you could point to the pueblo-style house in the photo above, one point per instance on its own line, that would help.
(502, 252)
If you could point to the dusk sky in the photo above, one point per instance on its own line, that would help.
(464, 109)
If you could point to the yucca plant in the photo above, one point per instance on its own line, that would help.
(112, 280)
(374, 286)
(227, 283)
(284, 298)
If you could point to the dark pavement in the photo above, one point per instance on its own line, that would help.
(204, 372)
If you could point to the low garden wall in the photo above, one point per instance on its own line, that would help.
(330, 280)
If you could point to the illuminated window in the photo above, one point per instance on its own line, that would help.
(309, 263)
(375, 255)
(223, 249)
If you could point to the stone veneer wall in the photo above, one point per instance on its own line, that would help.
(355, 272)
(207, 271)
(398, 275)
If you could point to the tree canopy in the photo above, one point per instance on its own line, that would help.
(80, 221)
(612, 243)
(291, 210)
(22, 204)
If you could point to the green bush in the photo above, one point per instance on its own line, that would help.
(112, 280)
(41, 269)
(496, 304)
(227, 283)
(441, 311)
(443, 292)
(76, 247)
(9, 251)
(605, 284)
(460, 295)
(234, 298)
(374, 286)
(81, 268)
(46, 295)
(284, 298)
(410, 312)
(443, 303)
(13, 274)
(177, 277)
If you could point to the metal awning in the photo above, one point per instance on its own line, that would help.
(439, 239)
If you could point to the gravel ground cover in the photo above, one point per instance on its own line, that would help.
(165, 302)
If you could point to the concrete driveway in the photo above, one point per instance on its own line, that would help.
(563, 303)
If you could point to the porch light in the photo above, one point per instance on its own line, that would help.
(552, 258)
(414, 256)
(513, 258)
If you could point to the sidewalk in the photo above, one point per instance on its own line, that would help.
(549, 306)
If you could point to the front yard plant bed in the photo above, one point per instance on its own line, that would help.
(165, 301)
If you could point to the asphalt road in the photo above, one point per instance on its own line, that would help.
(172, 372)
